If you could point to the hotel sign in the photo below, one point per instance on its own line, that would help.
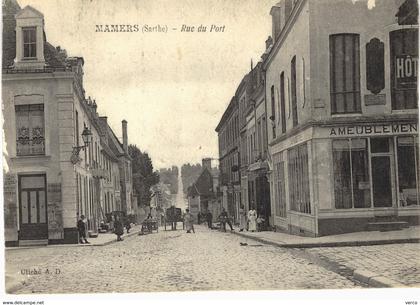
(406, 71)
(368, 130)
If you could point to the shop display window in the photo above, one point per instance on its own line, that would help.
(351, 174)
(408, 170)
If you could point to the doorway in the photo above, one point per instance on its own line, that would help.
(33, 222)
(382, 171)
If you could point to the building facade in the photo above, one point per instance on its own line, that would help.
(229, 159)
(51, 177)
(341, 88)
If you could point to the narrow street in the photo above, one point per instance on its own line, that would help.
(170, 261)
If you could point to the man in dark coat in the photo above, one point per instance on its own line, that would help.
(118, 228)
(209, 217)
(81, 227)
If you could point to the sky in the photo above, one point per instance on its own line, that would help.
(172, 87)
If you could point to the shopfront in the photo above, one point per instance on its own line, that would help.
(374, 173)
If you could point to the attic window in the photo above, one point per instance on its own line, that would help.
(29, 42)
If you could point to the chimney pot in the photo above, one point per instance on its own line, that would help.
(125, 136)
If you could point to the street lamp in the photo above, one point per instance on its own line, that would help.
(87, 138)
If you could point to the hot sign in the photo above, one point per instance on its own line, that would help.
(406, 71)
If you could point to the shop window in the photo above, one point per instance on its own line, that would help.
(30, 130)
(375, 66)
(404, 65)
(379, 145)
(299, 179)
(280, 191)
(408, 170)
(351, 174)
(345, 73)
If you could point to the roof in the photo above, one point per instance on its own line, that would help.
(203, 186)
(229, 110)
(11, 8)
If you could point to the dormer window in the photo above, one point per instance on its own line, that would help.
(29, 42)
(29, 39)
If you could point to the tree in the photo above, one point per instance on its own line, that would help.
(143, 175)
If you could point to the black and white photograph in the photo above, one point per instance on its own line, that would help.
(210, 149)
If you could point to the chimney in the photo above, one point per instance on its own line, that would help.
(276, 12)
(206, 163)
(124, 134)
(268, 42)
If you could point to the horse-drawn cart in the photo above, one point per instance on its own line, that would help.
(173, 215)
(149, 225)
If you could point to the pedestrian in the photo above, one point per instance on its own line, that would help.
(119, 228)
(209, 217)
(189, 221)
(252, 219)
(127, 224)
(199, 217)
(242, 218)
(81, 227)
(224, 218)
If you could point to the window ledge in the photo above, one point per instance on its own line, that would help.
(352, 114)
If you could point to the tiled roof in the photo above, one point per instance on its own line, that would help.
(10, 8)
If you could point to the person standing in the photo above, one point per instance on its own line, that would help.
(81, 227)
(119, 228)
(224, 218)
(209, 217)
(252, 218)
(188, 220)
(242, 218)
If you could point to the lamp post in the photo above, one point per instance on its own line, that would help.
(87, 138)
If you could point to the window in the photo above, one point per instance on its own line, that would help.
(282, 104)
(404, 65)
(30, 130)
(279, 185)
(408, 176)
(299, 179)
(29, 42)
(351, 174)
(273, 112)
(294, 97)
(345, 73)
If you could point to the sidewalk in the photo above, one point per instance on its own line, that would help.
(376, 259)
(408, 235)
(103, 239)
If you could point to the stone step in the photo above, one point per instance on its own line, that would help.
(33, 242)
(386, 225)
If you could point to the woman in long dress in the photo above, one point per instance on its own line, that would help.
(242, 218)
(252, 218)
(188, 221)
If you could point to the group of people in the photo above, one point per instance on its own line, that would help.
(118, 228)
(247, 221)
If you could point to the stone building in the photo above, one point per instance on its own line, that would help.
(229, 163)
(341, 88)
(52, 175)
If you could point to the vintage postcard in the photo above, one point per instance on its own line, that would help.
(202, 146)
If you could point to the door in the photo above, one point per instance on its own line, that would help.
(381, 180)
(382, 172)
(33, 222)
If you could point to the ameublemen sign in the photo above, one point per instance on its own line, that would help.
(365, 130)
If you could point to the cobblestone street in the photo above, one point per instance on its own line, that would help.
(169, 261)
(398, 262)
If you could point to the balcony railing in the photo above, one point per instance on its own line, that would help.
(29, 147)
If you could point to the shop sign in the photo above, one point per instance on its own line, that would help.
(365, 130)
(406, 71)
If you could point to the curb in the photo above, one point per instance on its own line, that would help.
(333, 244)
(373, 280)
